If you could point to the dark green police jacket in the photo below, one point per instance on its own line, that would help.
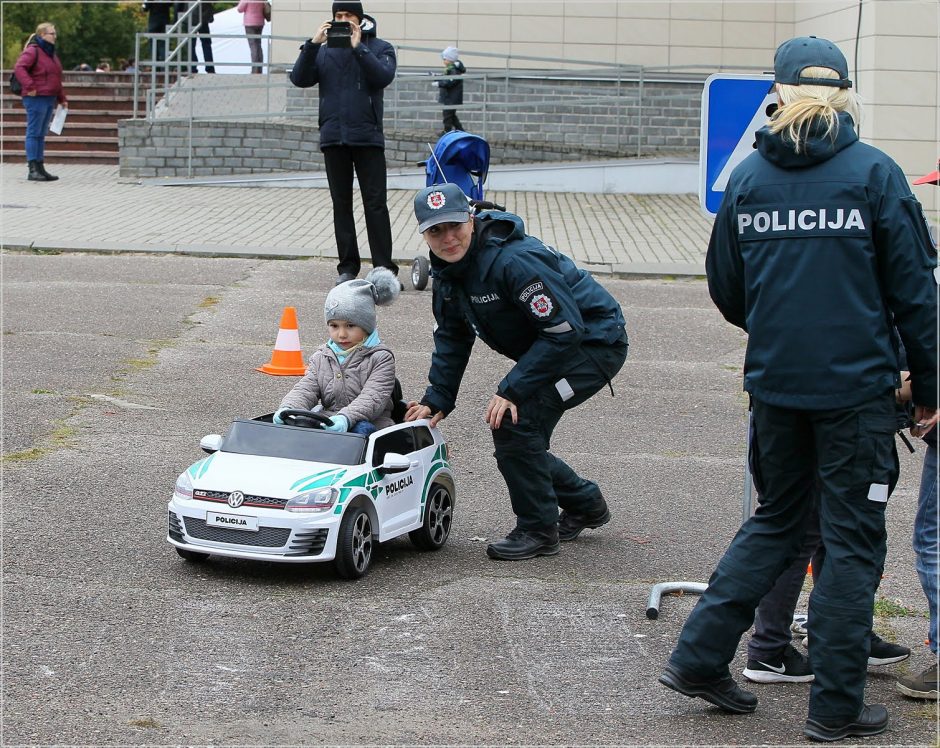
(816, 255)
(523, 299)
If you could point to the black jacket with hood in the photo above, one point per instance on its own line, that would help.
(351, 83)
(522, 298)
(815, 255)
(451, 91)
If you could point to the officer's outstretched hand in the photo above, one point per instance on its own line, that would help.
(496, 409)
(417, 411)
(925, 419)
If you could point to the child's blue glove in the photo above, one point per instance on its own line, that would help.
(340, 424)
(277, 416)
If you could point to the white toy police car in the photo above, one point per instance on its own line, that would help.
(298, 494)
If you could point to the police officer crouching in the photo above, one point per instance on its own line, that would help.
(818, 248)
(566, 334)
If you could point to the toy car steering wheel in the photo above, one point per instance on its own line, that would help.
(307, 419)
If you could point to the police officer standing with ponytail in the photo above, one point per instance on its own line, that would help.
(818, 249)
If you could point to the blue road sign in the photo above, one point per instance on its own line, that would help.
(734, 107)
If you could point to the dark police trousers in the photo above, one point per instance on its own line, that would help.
(369, 163)
(538, 482)
(851, 453)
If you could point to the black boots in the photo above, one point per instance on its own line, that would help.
(38, 173)
(570, 525)
(523, 544)
(42, 170)
(872, 721)
(722, 692)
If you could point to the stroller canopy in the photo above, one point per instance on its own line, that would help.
(460, 158)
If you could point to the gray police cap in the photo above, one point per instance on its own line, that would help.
(795, 55)
(441, 203)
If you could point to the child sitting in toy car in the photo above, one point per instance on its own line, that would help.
(352, 375)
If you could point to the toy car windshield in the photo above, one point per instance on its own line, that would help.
(294, 443)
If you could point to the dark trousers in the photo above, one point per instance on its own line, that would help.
(850, 454)
(451, 122)
(254, 48)
(369, 165)
(538, 481)
(156, 24)
(775, 611)
(206, 51)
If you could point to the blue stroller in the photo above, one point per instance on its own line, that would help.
(460, 158)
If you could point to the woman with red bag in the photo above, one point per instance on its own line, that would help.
(39, 72)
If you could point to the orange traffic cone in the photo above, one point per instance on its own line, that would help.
(287, 360)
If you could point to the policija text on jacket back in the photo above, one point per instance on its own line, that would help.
(352, 67)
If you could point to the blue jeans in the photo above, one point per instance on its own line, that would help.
(926, 537)
(364, 428)
(39, 111)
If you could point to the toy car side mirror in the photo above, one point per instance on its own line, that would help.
(211, 443)
(394, 463)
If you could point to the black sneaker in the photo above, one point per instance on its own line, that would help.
(789, 667)
(343, 277)
(522, 544)
(886, 653)
(872, 721)
(723, 693)
(570, 525)
(923, 686)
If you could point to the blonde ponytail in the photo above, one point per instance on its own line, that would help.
(803, 105)
(31, 37)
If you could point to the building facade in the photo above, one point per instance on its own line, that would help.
(893, 47)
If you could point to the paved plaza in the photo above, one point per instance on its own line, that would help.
(91, 208)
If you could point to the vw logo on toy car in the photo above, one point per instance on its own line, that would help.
(236, 499)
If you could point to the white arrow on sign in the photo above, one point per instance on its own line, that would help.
(745, 145)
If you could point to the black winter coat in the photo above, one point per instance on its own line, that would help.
(522, 298)
(816, 256)
(451, 92)
(351, 83)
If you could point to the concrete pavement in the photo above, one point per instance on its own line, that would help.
(92, 209)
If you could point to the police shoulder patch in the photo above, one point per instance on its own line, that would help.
(538, 300)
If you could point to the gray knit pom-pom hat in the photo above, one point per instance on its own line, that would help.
(355, 300)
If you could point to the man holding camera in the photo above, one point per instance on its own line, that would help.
(352, 67)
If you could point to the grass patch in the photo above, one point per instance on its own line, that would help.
(60, 438)
(885, 608)
(209, 302)
(144, 722)
(39, 391)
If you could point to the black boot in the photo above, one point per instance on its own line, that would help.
(523, 544)
(34, 174)
(42, 170)
(570, 525)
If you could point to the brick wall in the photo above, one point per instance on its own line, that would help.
(526, 121)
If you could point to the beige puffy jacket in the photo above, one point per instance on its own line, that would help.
(359, 389)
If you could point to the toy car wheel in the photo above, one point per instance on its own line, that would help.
(192, 556)
(438, 515)
(354, 546)
(420, 272)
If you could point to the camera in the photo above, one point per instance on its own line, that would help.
(339, 34)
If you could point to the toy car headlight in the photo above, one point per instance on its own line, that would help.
(184, 487)
(320, 500)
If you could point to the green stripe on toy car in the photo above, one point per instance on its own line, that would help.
(318, 480)
(198, 469)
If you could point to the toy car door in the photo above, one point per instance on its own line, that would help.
(399, 504)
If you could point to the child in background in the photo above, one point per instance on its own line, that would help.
(451, 91)
(353, 374)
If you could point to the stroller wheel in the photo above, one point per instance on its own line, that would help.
(420, 272)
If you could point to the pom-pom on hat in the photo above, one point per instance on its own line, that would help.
(441, 203)
(450, 54)
(795, 55)
(354, 8)
(354, 301)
